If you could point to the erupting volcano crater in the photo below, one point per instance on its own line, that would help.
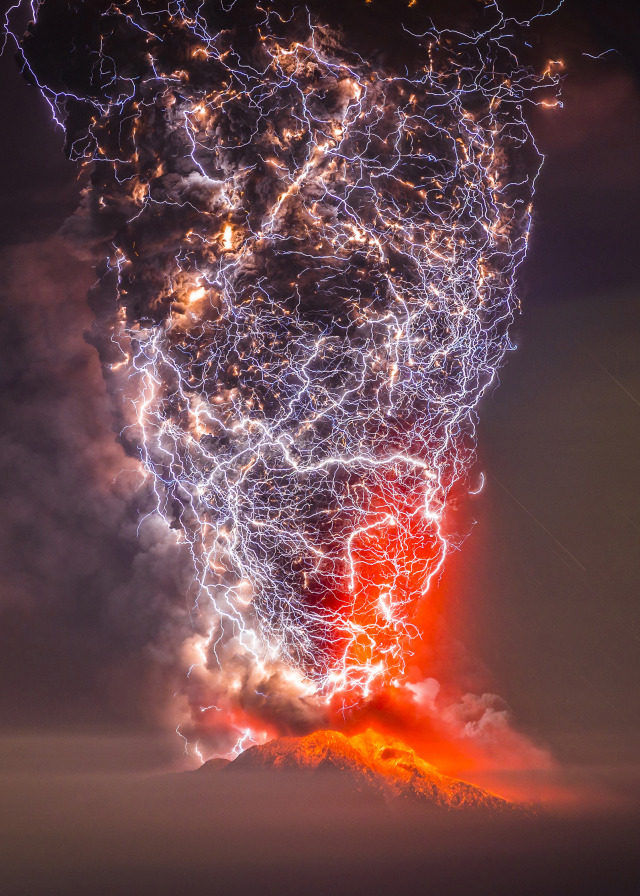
(369, 763)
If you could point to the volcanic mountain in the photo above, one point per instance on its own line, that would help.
(369, 763)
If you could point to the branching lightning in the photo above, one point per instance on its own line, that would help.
(309, 287)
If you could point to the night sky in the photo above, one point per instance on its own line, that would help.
(542, 599)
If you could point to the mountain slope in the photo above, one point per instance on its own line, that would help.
(369, 763)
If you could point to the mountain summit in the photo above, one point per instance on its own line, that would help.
(371, 763)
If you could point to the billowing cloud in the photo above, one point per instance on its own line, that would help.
(307, 259)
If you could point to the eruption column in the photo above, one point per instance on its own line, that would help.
(309, 286)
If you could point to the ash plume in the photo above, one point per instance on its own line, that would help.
(309, 249)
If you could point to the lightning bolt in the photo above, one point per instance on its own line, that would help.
(309, 286)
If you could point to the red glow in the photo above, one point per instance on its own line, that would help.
(393, 562)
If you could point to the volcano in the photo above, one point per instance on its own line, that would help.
(369, 763)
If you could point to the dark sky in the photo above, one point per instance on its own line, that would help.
(543, 595)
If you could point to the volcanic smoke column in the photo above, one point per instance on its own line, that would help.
(309, 285)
